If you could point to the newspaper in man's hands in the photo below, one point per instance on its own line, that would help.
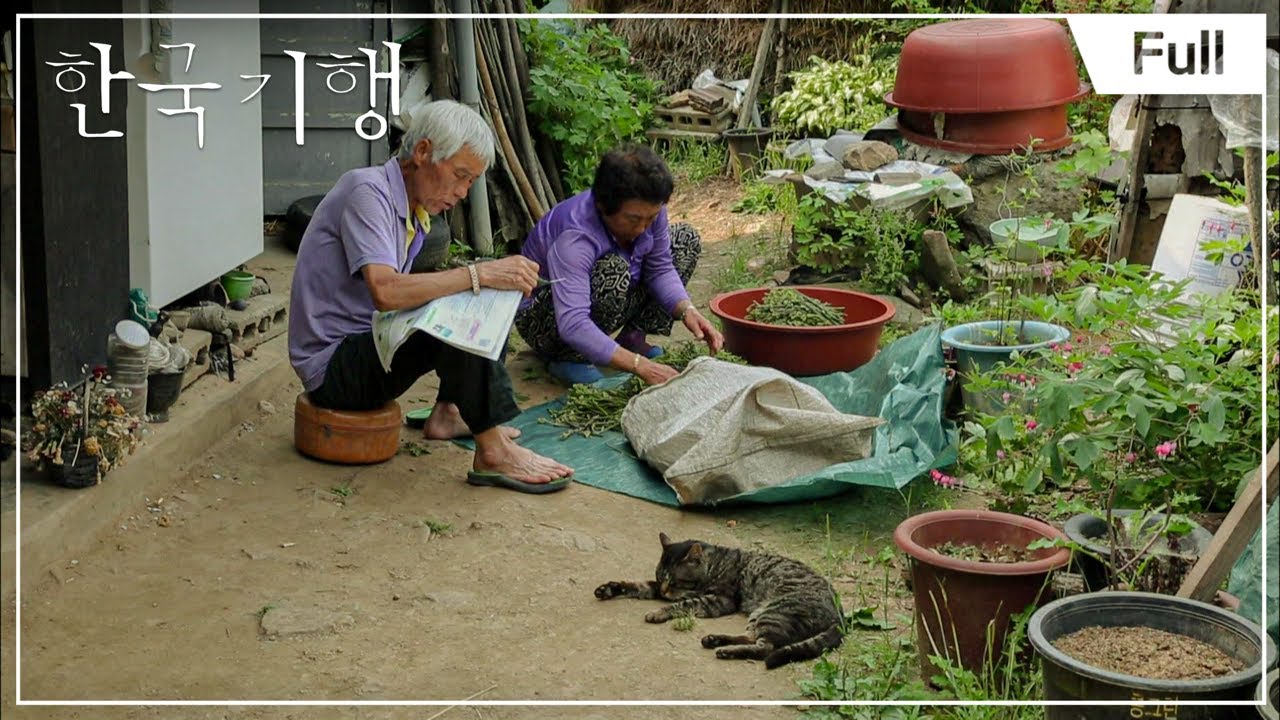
(478, 324)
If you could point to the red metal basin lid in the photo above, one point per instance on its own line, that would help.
(989, 65)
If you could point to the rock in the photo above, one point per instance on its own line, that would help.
(907, 294)
(939, 265)
(236, 352)
(260, 287)
(868, 155)
(825, 170)
(266, 408)
(286, 622)
(756, 264)
(782, 276)
(451, 598)
(905, 313)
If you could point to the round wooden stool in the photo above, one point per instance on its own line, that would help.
(346, 436)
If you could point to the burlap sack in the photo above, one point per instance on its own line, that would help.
(719, 429)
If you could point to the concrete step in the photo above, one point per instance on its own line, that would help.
(265, 317)
(197, 342)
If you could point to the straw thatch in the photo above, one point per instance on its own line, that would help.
(675, 51)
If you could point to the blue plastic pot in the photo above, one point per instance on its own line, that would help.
(974, 356)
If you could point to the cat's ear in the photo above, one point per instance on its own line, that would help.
(662, 537)
(695, 552)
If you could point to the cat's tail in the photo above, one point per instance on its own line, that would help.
(806, 649)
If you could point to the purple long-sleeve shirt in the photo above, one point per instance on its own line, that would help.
(567, 242)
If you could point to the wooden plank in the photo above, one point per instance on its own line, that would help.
(1135, 176)
(1237, 530)
(757, 68)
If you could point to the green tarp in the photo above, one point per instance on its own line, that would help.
(1246, 576)
(903, 384)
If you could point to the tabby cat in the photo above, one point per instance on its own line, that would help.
(792, 612)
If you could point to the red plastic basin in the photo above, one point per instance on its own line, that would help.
(984, 66)
(805, 350)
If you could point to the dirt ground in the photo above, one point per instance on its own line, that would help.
(259, 574)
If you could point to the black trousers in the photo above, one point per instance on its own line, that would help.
(355, 379)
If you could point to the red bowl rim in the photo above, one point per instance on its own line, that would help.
(1082, 89)
(882, 318)
(983, 148)
(902, 537)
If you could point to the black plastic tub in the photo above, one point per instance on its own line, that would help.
(1269, 696)
(1090, 532)
(1066, 678)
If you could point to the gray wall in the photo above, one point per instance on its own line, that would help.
(331, 145)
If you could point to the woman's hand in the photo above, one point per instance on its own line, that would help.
(702, 329)
(655, 373)
(515, 272)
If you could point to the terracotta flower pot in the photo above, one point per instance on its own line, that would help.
(805, 350)
(958, 602)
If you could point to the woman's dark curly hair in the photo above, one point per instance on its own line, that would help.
(631, 172)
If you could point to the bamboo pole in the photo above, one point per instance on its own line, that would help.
(522, 180)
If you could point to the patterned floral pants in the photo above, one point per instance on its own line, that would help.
(616, 302)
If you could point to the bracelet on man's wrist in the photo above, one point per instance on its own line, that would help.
(475, 279)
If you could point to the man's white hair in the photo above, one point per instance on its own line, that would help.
(448, 125)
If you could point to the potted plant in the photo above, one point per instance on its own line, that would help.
(80, 433)
(1126, 646)
(1149, 405)
(972, 571)
(1139, 549)
(1028, 239)
(981, 347)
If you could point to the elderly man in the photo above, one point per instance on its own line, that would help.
(355, 259)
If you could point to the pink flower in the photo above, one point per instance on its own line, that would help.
(1006, 397)
(1105, 351)
(1130, 457)
(1075, 367)
(1165, 449)
(1032, 425)
(943, 479)
(951, 373)
(1022, 378)
(1047, 270)
(1054, 347)
(1000, 455)
(1068, 347)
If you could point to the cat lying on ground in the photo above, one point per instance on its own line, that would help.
(792, 612)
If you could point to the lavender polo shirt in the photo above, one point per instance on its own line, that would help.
(567, 242)
(361, 221)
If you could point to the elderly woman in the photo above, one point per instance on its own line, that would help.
(355, 258)
(609, 263)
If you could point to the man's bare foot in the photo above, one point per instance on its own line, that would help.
(445, 423)
(497, 453)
